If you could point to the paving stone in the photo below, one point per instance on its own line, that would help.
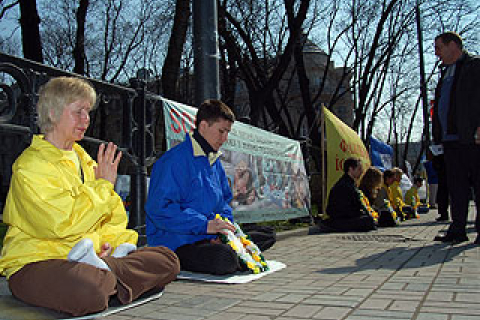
(257, 311)
(377, 304)
(440, 296)
(225, 316)
(467, 297)
(382, 313)
(432, 316)
(293, 298)
(333, 313)
(462, 317)
(401, 305)
(302, 311)
(269, 296)
(358, 292)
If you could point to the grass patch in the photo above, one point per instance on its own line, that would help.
(285, 225)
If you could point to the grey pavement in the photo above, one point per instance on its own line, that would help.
(391, 273)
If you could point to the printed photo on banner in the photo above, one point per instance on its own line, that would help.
(266, 171)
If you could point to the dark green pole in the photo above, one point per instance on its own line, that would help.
(206, 53)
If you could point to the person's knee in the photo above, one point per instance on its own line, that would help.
(165, 260)
(226, 261)
(92, 297)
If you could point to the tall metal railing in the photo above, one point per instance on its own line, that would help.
(128, 116)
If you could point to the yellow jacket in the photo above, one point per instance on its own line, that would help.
(49, 209)
(396, 194)
(412, 198)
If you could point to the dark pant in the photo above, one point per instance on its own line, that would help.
(206, 257)
(442, 191)
(79, 288)
(463, 172)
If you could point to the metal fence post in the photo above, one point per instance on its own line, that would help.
(138, 182)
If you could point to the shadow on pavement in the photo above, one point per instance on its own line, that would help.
(404, 258)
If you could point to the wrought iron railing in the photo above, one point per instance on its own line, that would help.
(128, 116)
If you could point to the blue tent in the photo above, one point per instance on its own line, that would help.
(381, 154)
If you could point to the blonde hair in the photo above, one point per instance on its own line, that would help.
(58, 93)
(397, 172)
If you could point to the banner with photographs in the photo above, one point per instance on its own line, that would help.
(266, 171)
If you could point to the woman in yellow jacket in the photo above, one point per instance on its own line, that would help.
(65, 219)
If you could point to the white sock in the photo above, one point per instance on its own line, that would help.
(123, 249)
(83, 252)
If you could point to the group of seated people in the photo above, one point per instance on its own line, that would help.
(362, 201)
(68, 247)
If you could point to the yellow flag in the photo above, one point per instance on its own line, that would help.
(342, 142)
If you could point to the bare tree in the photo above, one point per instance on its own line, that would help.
(261, 47)
(171, 66)
(30, 21)
(79, 49)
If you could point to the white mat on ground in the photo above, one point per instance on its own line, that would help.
(14, 309)
(238, 277)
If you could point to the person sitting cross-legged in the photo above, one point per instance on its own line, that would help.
(383, 202)
(412, 198)
(65, 219)
(188, 189)
(345, 211)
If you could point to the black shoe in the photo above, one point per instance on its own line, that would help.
(451, 239)
(442, 218)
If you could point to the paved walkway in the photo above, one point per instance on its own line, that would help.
(391, 273)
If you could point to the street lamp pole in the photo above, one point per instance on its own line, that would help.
(206, 52)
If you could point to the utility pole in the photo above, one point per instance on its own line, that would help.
(206, 52)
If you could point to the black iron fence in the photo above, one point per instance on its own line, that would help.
(127, 115)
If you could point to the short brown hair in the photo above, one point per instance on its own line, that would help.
(211, 110)
(387, 174)
(450, 36)
(56, 94)
(351, 162)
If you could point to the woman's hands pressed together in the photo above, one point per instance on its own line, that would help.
(107, 162)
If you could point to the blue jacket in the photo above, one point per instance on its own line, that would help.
(186, 191)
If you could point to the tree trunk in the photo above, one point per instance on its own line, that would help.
(29, 22)
(79, 50)
(171, 66)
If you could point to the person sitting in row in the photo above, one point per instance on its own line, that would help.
(412, 198)
(383, 202)
(403, 211)
(369, 185)
(188, 188)
(344, 208)
(65, 219)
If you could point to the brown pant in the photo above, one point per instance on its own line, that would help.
(79, 288)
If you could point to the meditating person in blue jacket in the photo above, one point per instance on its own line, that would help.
(188, 188)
